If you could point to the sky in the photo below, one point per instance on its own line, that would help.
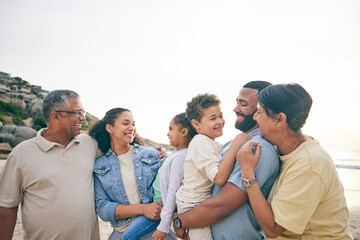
(153, 56)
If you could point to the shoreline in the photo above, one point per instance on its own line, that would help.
(350, 178)
(351, 197)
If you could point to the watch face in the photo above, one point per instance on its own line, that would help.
(246, 182)
(177, 223)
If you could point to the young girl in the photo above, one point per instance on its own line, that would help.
(170, 175)
(171, 171)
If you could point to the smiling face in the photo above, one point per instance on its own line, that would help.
(211, 123)
(268, 127)
(70, 124)
(123, 131)
(245, 109)
(175, 134)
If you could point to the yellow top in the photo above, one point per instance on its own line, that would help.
(308, 198)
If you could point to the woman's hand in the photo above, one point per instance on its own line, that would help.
(162, 152)
(159, 235)
(153, 210)
(248, 157)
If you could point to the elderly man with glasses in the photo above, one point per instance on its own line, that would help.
(51, 176)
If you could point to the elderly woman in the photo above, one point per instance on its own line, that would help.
(123, 177)
(307, 199)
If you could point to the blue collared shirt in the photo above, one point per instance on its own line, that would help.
(109, 187)
(242, 223)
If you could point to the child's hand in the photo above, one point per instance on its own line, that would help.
(159, 235)
(240, 139)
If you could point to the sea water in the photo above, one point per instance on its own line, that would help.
(347, 165)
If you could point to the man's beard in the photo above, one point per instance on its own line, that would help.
(247, 123)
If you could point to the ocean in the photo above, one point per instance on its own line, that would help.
(347, 165)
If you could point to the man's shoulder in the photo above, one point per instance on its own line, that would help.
(87, 140)
(24, 145)
(85, 137)
(266, 145)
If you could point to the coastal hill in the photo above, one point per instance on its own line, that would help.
(21, 113)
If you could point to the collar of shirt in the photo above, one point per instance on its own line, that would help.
(46, 145)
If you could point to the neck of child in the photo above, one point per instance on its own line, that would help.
(183, 145)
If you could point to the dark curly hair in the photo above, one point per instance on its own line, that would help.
(182, 120)
(99, 133)
(195, 107)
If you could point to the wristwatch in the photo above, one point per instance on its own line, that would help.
(247, 183)
(177, 222)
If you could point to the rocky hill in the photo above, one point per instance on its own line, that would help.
(21, 113)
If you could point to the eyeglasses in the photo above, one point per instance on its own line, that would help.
(78, 113)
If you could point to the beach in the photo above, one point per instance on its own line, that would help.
(350, 178)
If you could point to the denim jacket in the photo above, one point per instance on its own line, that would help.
(109, 187)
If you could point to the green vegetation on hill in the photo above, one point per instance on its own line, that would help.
(11, 112)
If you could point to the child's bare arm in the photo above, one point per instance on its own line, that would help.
(226, 166)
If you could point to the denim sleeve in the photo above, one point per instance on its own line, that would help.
(266, 170)
(104, 207)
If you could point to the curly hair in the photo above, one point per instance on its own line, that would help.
(99, 133)
(195, 107)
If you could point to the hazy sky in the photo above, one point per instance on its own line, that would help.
(153, 56)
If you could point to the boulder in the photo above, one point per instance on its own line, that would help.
(25, 132)
(35, 108)
(10, 129)
(29, 122)
(16, 134)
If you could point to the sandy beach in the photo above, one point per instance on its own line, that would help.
(349, 177)
(352, 198)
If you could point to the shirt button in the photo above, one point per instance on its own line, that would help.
(149, 160)
(142, 191)
(137, 164)
(139, 178)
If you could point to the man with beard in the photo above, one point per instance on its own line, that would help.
(228, 211)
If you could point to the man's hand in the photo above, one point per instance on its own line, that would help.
(153, 210)
(7, 222)
(159, 235)
(180, 232)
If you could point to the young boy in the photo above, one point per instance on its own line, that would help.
(201, 167)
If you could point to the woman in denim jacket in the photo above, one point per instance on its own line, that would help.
(123, 176)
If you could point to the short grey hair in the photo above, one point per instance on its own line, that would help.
(56, 100)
